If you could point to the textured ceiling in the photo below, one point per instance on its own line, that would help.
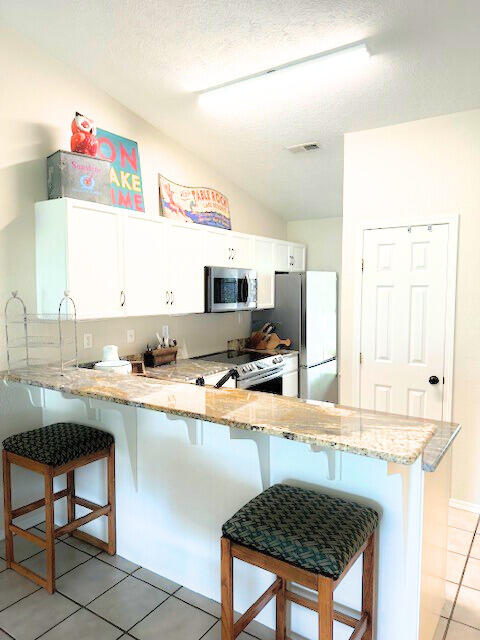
(151, 55)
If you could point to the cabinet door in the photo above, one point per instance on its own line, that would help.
(241, 246)
(282, 256)
(290, 384)
(217, 250)
(94, 258)
(187, 272)
(264, 266)
(146, 265)
(297, 254)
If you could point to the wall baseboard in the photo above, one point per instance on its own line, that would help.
(466, 506)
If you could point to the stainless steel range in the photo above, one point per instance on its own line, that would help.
(255, 371)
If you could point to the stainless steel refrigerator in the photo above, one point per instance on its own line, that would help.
(306, 312)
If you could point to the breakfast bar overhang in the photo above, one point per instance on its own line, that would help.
(188, 457)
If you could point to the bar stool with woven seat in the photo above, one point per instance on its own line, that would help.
(52, 451)
(306, 538)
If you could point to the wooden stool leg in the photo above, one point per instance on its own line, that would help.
(325, 608)
(368, 585)
(281, 602)
(71, 493)
(112, 532)
(49, 533)
(7, 509)
(227, 591)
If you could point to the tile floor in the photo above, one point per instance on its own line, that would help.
(461, 612)
(108, 598)
(100, 597)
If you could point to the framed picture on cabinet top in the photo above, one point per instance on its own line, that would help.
(200, 205)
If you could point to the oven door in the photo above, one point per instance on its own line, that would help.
(229, 289)
(271, 382)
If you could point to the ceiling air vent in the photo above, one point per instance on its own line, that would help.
(305, 146)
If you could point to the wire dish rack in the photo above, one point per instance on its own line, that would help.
(36, 339)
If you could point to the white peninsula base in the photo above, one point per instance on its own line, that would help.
(179, 479)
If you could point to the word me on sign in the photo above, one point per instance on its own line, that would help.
(125, 173)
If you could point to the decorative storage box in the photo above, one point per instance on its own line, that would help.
(75, 175)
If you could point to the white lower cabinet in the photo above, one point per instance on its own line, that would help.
(290, 384)
(116, 263)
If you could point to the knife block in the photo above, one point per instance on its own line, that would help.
(160, 356)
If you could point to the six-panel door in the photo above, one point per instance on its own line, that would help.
(403, 320)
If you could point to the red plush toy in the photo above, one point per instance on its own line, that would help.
(83, 139)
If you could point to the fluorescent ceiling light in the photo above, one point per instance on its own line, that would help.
(354, 51)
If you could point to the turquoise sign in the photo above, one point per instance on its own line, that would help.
(125, 175)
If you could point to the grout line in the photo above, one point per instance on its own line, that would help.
(447, 627)
(150, 612)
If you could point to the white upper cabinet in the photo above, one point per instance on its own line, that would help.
(186, 269)
(289, 256)
(242, 250)
(146, 267)
(116, 263)
(228, 249)
(264, 265)
(297, 253)
(79, 249)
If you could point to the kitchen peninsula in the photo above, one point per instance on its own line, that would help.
(189, 456)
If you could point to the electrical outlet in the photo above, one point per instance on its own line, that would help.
(130, 336)
(87, 341)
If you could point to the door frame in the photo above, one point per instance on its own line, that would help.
(453, 222)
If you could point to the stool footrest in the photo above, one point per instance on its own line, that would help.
(257, 606)
(28, 535)
(93, 540)
(86, 503)
(102, 511)
(344, 618)
(26, 573)
(32, 506)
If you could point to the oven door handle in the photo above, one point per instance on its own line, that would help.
(246, 383)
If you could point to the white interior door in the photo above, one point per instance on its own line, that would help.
(403, 320)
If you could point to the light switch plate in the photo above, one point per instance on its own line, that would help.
(87, 340)
(130, 336)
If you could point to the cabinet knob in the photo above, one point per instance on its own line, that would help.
(433, 380)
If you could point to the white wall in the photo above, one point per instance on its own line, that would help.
(323, 238)
(38, 99)
(425, 168)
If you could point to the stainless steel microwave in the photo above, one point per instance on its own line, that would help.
(228, 289)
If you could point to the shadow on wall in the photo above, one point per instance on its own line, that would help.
(22, 184)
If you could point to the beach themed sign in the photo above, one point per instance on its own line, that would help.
(125, 173)
(194, 204)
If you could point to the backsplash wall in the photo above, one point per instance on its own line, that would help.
(196, 334)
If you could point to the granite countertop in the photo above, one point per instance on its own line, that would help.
(369, 433)
(187, 370)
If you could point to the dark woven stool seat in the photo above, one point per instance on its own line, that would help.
(58, 443)
(312, 531)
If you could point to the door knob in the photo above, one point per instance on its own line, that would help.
(433, 380)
